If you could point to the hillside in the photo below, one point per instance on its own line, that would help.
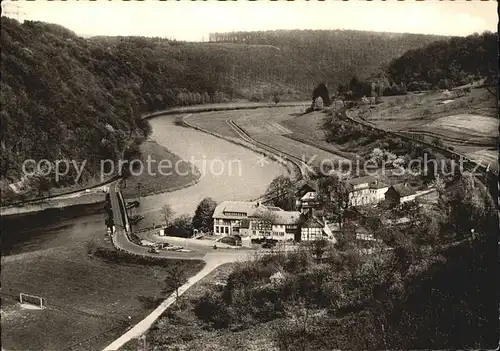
(66, 97)
(447, 63)
(302, 58)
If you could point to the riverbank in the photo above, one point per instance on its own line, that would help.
(168, 172)
(293, 169)
(86, 197)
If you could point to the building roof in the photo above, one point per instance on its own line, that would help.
(305, 184)
(378, 185)
(311, 195)
(235, 206)
(254, 209)
(287, 217)
(373, 182)
(403, 190)
(361, 180)
(313, 222)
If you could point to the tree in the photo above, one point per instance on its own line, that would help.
(334, 196)
(346, 237)
(175, 278)
(281, 193)
(202, 219)
(276, 98)
(321, 91)
(167, 214)
(44, 185)
(318, 103)
(318, 248)
(182, 226)
(183, 222)
(470, 207)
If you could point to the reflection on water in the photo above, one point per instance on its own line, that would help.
(248, 179)
(51, 228)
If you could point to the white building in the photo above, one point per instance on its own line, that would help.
(244, 219)
(366, 191)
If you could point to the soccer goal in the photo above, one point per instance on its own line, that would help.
(32, 300)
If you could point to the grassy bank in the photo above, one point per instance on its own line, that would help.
(154, 182)
(86, 295)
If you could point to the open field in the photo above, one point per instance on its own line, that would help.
(474, 129)
(268, 126)
(468, 118)
(413, 110)
(469, 123)
(155, 182)
(85, 296)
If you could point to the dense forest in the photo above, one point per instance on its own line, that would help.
(443, 64)
(303, 58)
(447, 63)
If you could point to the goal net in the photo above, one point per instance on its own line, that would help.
(32, 300)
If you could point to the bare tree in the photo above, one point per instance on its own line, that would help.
(167, 214)
(175, 278)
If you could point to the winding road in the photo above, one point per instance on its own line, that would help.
(122, 242)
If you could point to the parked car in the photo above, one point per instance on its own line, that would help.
(268, 245)
(154, 250)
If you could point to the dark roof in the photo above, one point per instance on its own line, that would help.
(313, 222)
(304, 184)
(403, 189)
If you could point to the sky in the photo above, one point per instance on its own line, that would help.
(193, 21)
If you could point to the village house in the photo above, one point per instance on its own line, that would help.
(315, 228)
(307, 197)
(400, 193)
(366, 191)
(244, 219)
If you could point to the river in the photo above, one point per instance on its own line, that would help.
(229, 172)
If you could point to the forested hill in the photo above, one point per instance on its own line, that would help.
(448, 63)
(64, 96)
(302, 58)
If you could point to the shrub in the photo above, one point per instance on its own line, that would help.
(212, 309)
(318, 104)
(426, 112)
